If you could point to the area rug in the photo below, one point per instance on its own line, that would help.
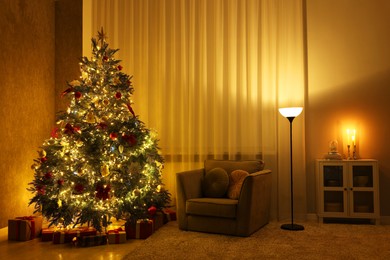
(317, 241)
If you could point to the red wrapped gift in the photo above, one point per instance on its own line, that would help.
(97, 240)
(59, 237)
(47, 234)
(142, 229)
(116, 236)
(158, 220)
(79, 232)
(169, 215)
(24, 228)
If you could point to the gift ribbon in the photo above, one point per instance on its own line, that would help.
(31, 225)
(116, 232)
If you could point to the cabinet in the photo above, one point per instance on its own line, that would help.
(348, 189)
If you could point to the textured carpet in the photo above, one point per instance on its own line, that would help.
(317, 241)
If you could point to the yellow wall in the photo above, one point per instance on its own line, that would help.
(27, 104)
(348, 83)
(34, 49)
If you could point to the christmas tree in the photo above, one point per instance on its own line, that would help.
(100, 161)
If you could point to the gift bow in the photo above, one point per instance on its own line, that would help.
(115, 231)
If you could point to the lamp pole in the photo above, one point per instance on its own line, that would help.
(290, 114)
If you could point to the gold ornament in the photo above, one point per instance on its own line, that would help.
(105, 170)
(90, 118)
(120, 148)
(79, 143)
(59, 202)
(42, 153)
(160, 188)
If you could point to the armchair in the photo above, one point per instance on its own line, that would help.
(240, 217)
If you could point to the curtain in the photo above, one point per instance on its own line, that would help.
(209, 75)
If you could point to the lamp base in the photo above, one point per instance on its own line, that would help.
(292, 227)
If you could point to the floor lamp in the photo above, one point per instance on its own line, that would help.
(290, 113)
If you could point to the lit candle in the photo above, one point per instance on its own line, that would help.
(353, 137)
(348, 137)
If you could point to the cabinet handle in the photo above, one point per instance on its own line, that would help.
(345, 189)
(351, 188)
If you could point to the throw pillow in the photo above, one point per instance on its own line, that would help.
(236, 180)
(215, 183)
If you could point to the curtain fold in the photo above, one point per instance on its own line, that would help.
(209, 75)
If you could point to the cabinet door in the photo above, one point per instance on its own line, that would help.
(332, 184)
(362, 180)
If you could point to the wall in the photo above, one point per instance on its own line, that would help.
(41, 43)
(27, 104)
(348, 83)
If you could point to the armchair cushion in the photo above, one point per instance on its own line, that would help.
(236, 179)
(215, 183)
(212, 207)
(250, 166)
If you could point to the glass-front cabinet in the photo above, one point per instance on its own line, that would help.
(347, 189)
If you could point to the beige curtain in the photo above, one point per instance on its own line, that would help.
(209, 75)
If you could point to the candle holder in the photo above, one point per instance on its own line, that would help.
(354, 152)
(349, 152)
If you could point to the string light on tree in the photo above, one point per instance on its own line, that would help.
(100, 161)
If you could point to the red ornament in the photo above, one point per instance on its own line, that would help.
(113, 136)
(77, 95)
(48, 175)
(130, 139)
(152, 210)
(60, 182)
(120, 67)
(79, 188)
(54, 132)
(105, 58)
(103, 191)
(102, 126)
(41, 189)
(118, 95)
(43, 159)
(69, 129)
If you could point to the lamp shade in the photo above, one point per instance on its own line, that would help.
(290, 111)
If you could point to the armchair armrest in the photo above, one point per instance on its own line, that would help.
(254, 202)
(188, 186)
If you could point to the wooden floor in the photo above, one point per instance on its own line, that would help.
(35, 249)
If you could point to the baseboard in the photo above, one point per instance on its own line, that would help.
(385, 220)
(312, 217)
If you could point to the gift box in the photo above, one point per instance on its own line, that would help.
(142, 229)
(169, 215)
(158, 220)
(59, 237)
(24, 228)
(67, 236)
(116, 236)
(97, 240)
(78, 232)
(47, 234)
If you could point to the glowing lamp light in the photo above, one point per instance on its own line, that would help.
(290, 111)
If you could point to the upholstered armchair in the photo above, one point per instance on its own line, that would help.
(241, 209)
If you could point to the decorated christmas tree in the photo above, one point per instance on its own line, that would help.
(100, 161)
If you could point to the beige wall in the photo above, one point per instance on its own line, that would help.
(348, 83)
(28, 87)
(27, 104)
